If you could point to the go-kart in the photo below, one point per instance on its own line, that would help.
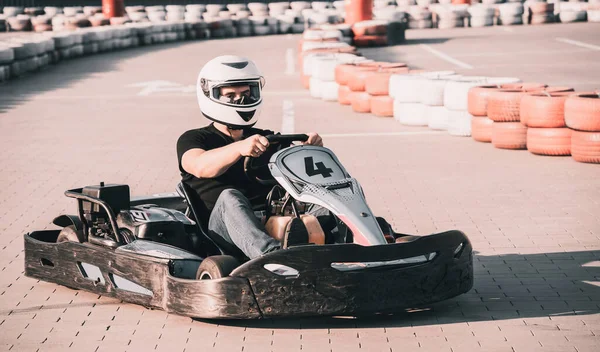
(156, 251)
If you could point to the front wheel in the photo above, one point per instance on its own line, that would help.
(216, 267)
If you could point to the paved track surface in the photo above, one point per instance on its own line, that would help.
(534, 221)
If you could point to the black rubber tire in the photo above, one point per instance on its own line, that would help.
(216, 267)
(69, 234)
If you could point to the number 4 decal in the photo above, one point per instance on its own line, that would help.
(321, 169)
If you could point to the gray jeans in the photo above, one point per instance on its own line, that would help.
(234, 220)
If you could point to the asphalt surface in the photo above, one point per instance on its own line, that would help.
(565, 54)
(534, 221)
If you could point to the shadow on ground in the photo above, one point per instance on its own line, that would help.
(506, 287)
(20, 90)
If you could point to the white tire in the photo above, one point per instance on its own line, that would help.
(437, 117)
(214, 9)
(262, 30)
(593, 15)
(175, 8)
(72, 11)
(481, 11)
(12, 11)
(418, 14)
(156, 8)
(572, 16)
(329, 91)
(477, 22)
(438, 74)
(317, 34)
(453, 23)
(299, 5)
(245, 30)
(324, 68)
(4, 73)
(410, 114)
(339, 5)
(298, 28)
(459, 123)
(52, 11)
(390, 14)
(235, 8)
(511, 20)
(323, 45)
(315, 87)
(21, 50)
(431, 91)
(402, 88)
(194, 8)
(456, 93)
(257, 7)
(511, 9)
(15, 69)
(258, 20)
(420, 24)
(7, 54)
(285, 28)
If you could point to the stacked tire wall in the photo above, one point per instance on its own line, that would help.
(503, 111)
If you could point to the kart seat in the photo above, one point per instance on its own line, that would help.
(201, 216)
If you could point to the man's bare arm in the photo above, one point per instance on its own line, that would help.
(213, 163)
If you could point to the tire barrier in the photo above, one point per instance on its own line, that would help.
(549, 141)
(585, 146)
(382, 106)
(386, 28)
(582, 112)
(509, 135)
(481, 129)
(503, 111)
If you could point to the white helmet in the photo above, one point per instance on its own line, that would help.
(230, 71)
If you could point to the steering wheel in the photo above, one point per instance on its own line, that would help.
(256, 169)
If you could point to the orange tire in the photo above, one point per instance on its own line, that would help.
(370, 40)
(305, 81)
(525, 86)
(553, 90)
(358, 79)
(344, 50)
(585, 147)
(360, 101)
(481, 129)
(478, 99)
(509, 135)
(302, 41)
(344, 95)
(541, 110)
(375, 29)
(549, 141)
(382, 106)
(504, 105)
(582, 112)
(378, 83)
(344, 71)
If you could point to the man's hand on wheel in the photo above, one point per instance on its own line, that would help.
(314, 139)
(253, 146)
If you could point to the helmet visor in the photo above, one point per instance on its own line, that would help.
(236, 94)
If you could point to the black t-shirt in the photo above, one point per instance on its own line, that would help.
(209, 189)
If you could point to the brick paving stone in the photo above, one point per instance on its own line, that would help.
(531, 243)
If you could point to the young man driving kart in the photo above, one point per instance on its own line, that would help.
(211, 158)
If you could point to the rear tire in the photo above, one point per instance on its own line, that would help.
(216, 267)
(70, 234)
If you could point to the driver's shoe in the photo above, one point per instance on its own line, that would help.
(295, 233)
